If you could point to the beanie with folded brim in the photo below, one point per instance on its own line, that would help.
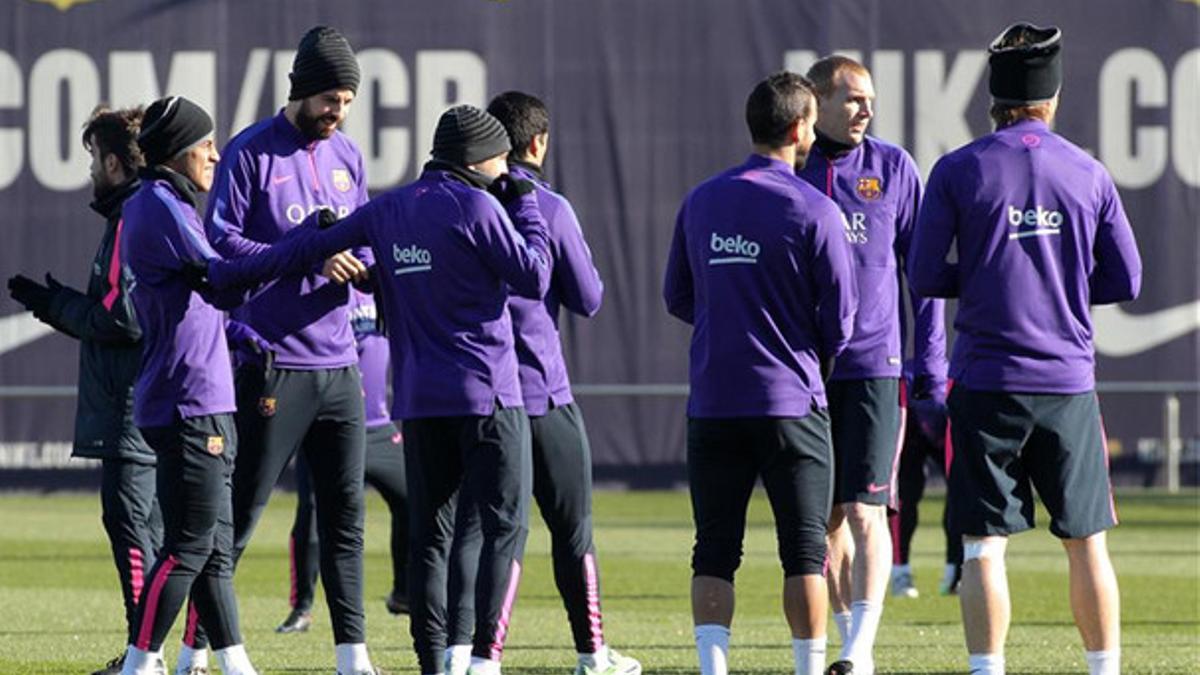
(170, 126)
(467, 135)
(324, 61)
(1026, 64)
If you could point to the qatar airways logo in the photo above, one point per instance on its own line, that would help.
(737, 250)
(411, 259)
(296, 213)
(1037, 222)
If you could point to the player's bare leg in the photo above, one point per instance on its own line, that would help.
(1095, 601)
(986, 609)
(712, 615)
(805, 604)
(840, 546)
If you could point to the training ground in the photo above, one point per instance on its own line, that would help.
(60, 608)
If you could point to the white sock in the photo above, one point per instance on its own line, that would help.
(234, 660)
(458, 659)
(859, 649)
(190, 658)
(138, 662)
(986, 664)
(1104, 663)
(352, 657)
(809, 656)
(485, 666)
(597, 660)
(843, 622)
(712, 644)
(897, 570)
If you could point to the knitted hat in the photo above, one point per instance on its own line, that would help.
(466, 135)
(324, 61)
(1026, 64)
(171, 125)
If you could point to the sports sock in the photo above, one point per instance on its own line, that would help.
(865, 624)
(843, 621)
(191, 658)
(484, 666)
(234, 660)
(712, 645)
(597, 660)
(352, 657)
(986, 664)
(458, 659)
(1107, 662)
(809, 656)
(138, 662)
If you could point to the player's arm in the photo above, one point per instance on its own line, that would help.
(362, 254)
(516, 250)
(1117, 276)
(109, 320)
(229, 205)
(831, 273)
(937, 221)
(678, 291)
(575, 279)
(929, 314)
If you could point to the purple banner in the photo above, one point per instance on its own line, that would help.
(646, 100)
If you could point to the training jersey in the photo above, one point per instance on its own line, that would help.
(185, 362)
(269, 180)
(760, 268)
(1039, 234)
(448, 257)
(372, 357)
(878, 188)
(574, 284)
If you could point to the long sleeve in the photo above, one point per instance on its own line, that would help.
(678, 291)
(228, 206)
(929, 314)
(110, 319)
(575, 279)
(928, 271)
(1117, 276)
(833, 282)
(518, 251)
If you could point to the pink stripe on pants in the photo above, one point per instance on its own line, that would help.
(151, 606)
(510, 598)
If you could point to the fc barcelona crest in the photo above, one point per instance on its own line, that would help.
(216, 445)
(341, 180)
(266, 406)
(869, 188)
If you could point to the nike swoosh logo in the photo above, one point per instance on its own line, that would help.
(18, 330)
(280, 180)
(1119, 333)
(873, 488)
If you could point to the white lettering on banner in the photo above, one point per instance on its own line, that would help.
(59, 73)
(436, 71)
(1185, 120)
(1135, 160)
(942, 100)
(12, 141)
(30, 455)
(132, 80)
(382, 70)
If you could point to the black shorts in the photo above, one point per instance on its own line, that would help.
(726, 457)
(1005, 443)
(867, 425)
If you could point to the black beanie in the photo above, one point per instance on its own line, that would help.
(324, 61)
(170, 125)
(466, 135)
(1026, 64)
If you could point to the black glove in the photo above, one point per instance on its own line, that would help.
(326, 219)
(34, 296)
(195, 275)
(508, 189)
(52, 283)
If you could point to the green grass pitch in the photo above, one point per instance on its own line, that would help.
(60, 606)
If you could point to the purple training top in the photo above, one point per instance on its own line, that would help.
(574, 284)
(448, 258)
(185, 362)
(760, 267)
(269, 180)
(877, 186)
(1040, 234)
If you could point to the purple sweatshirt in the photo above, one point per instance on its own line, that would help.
(760, 268)
(372, 357)
(1040, 234)
(448, 257)
(269, 180)
(878, 188)
(574, 284)
(185, 362)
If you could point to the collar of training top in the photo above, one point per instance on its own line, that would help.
(110, 204)
(529, 167)
(459, 173)
(831, 148)
(178, 182)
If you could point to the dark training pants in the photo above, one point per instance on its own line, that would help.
(133, 522)
(194, 477)
(917, 453)
(384, 472)
(794, 458)
(562, 486)
(320, 412)
(480, 461)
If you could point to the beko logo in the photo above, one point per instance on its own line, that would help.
(738, 250)
(1037, 222)
(412, 259)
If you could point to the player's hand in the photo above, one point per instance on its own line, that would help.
(34, 296)
(195, 275)
(508, 189)
(52, 283)
(344, 268)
